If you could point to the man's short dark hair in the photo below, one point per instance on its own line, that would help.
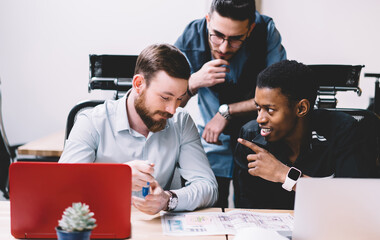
(235, 9)
(295, 80)
(162, 57)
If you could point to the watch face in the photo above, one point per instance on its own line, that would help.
(173, 203)
(223, 108)
(294, 174)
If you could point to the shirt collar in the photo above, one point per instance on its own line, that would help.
(259, 140)
(121, 116)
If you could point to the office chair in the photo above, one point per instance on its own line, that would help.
(369, 134)
(375, 105)
(6, 155)
(76, 110)
(112, 72)
(333, 78)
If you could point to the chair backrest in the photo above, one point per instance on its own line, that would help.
(375, 105)
(6, 156)
(368, 133)
(112, 72)
(334, 77)
(76, 110)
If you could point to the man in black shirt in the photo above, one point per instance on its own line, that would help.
(290, 140)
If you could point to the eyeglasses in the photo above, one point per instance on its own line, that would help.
(218, 40)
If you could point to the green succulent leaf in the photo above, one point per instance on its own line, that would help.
(77, 218)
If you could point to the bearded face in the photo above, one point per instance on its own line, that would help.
(147, 115)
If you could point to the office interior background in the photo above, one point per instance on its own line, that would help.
(45, 44)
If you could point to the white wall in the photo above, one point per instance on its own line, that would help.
(331, 32)
(44, 48)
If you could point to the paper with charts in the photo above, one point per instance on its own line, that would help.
(221, 223)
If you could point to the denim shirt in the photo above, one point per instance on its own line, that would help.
(260, 50)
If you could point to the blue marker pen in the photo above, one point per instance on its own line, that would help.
(145, 190)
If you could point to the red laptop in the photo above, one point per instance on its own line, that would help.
(40, 192)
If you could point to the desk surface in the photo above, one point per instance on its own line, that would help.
(143, 226)
(49, 146)
(149, 227)
(262, 210)
(5, 223)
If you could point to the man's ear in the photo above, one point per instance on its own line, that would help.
(138, 82)
(253, 25)
(303, 107)
(208, 17)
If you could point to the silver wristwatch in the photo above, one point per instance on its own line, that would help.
(173, 201)
(224, 110)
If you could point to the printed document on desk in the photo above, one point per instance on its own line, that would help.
(221, 223)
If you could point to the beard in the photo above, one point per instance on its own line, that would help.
(147, 116)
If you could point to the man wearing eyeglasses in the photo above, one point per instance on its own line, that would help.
(226, 50)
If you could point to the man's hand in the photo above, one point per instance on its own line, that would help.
(209, 75)
(214, 128)
(141, 173)
(154, 202)
(263, 164)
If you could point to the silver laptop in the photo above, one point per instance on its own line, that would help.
(337, 208)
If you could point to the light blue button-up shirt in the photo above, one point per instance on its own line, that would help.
(103, 134)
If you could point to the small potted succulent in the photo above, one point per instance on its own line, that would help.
(77, 223)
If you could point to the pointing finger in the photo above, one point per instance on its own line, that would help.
(251, 145)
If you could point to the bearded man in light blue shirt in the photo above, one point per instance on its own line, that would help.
(146, 130)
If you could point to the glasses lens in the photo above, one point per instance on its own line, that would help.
(216, 40)
(235, 43)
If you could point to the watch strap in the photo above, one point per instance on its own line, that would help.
(225, 114)
(289, 183)
(173, 201)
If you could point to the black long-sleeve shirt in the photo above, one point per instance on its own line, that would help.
(336, 148)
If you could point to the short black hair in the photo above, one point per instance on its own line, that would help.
(162, 57)
(235, 9)
(295, 80)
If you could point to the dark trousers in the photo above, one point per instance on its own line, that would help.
(224, 190)
(224, 183)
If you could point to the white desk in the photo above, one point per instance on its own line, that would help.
(143, 226)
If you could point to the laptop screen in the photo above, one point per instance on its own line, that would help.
(337, 208)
